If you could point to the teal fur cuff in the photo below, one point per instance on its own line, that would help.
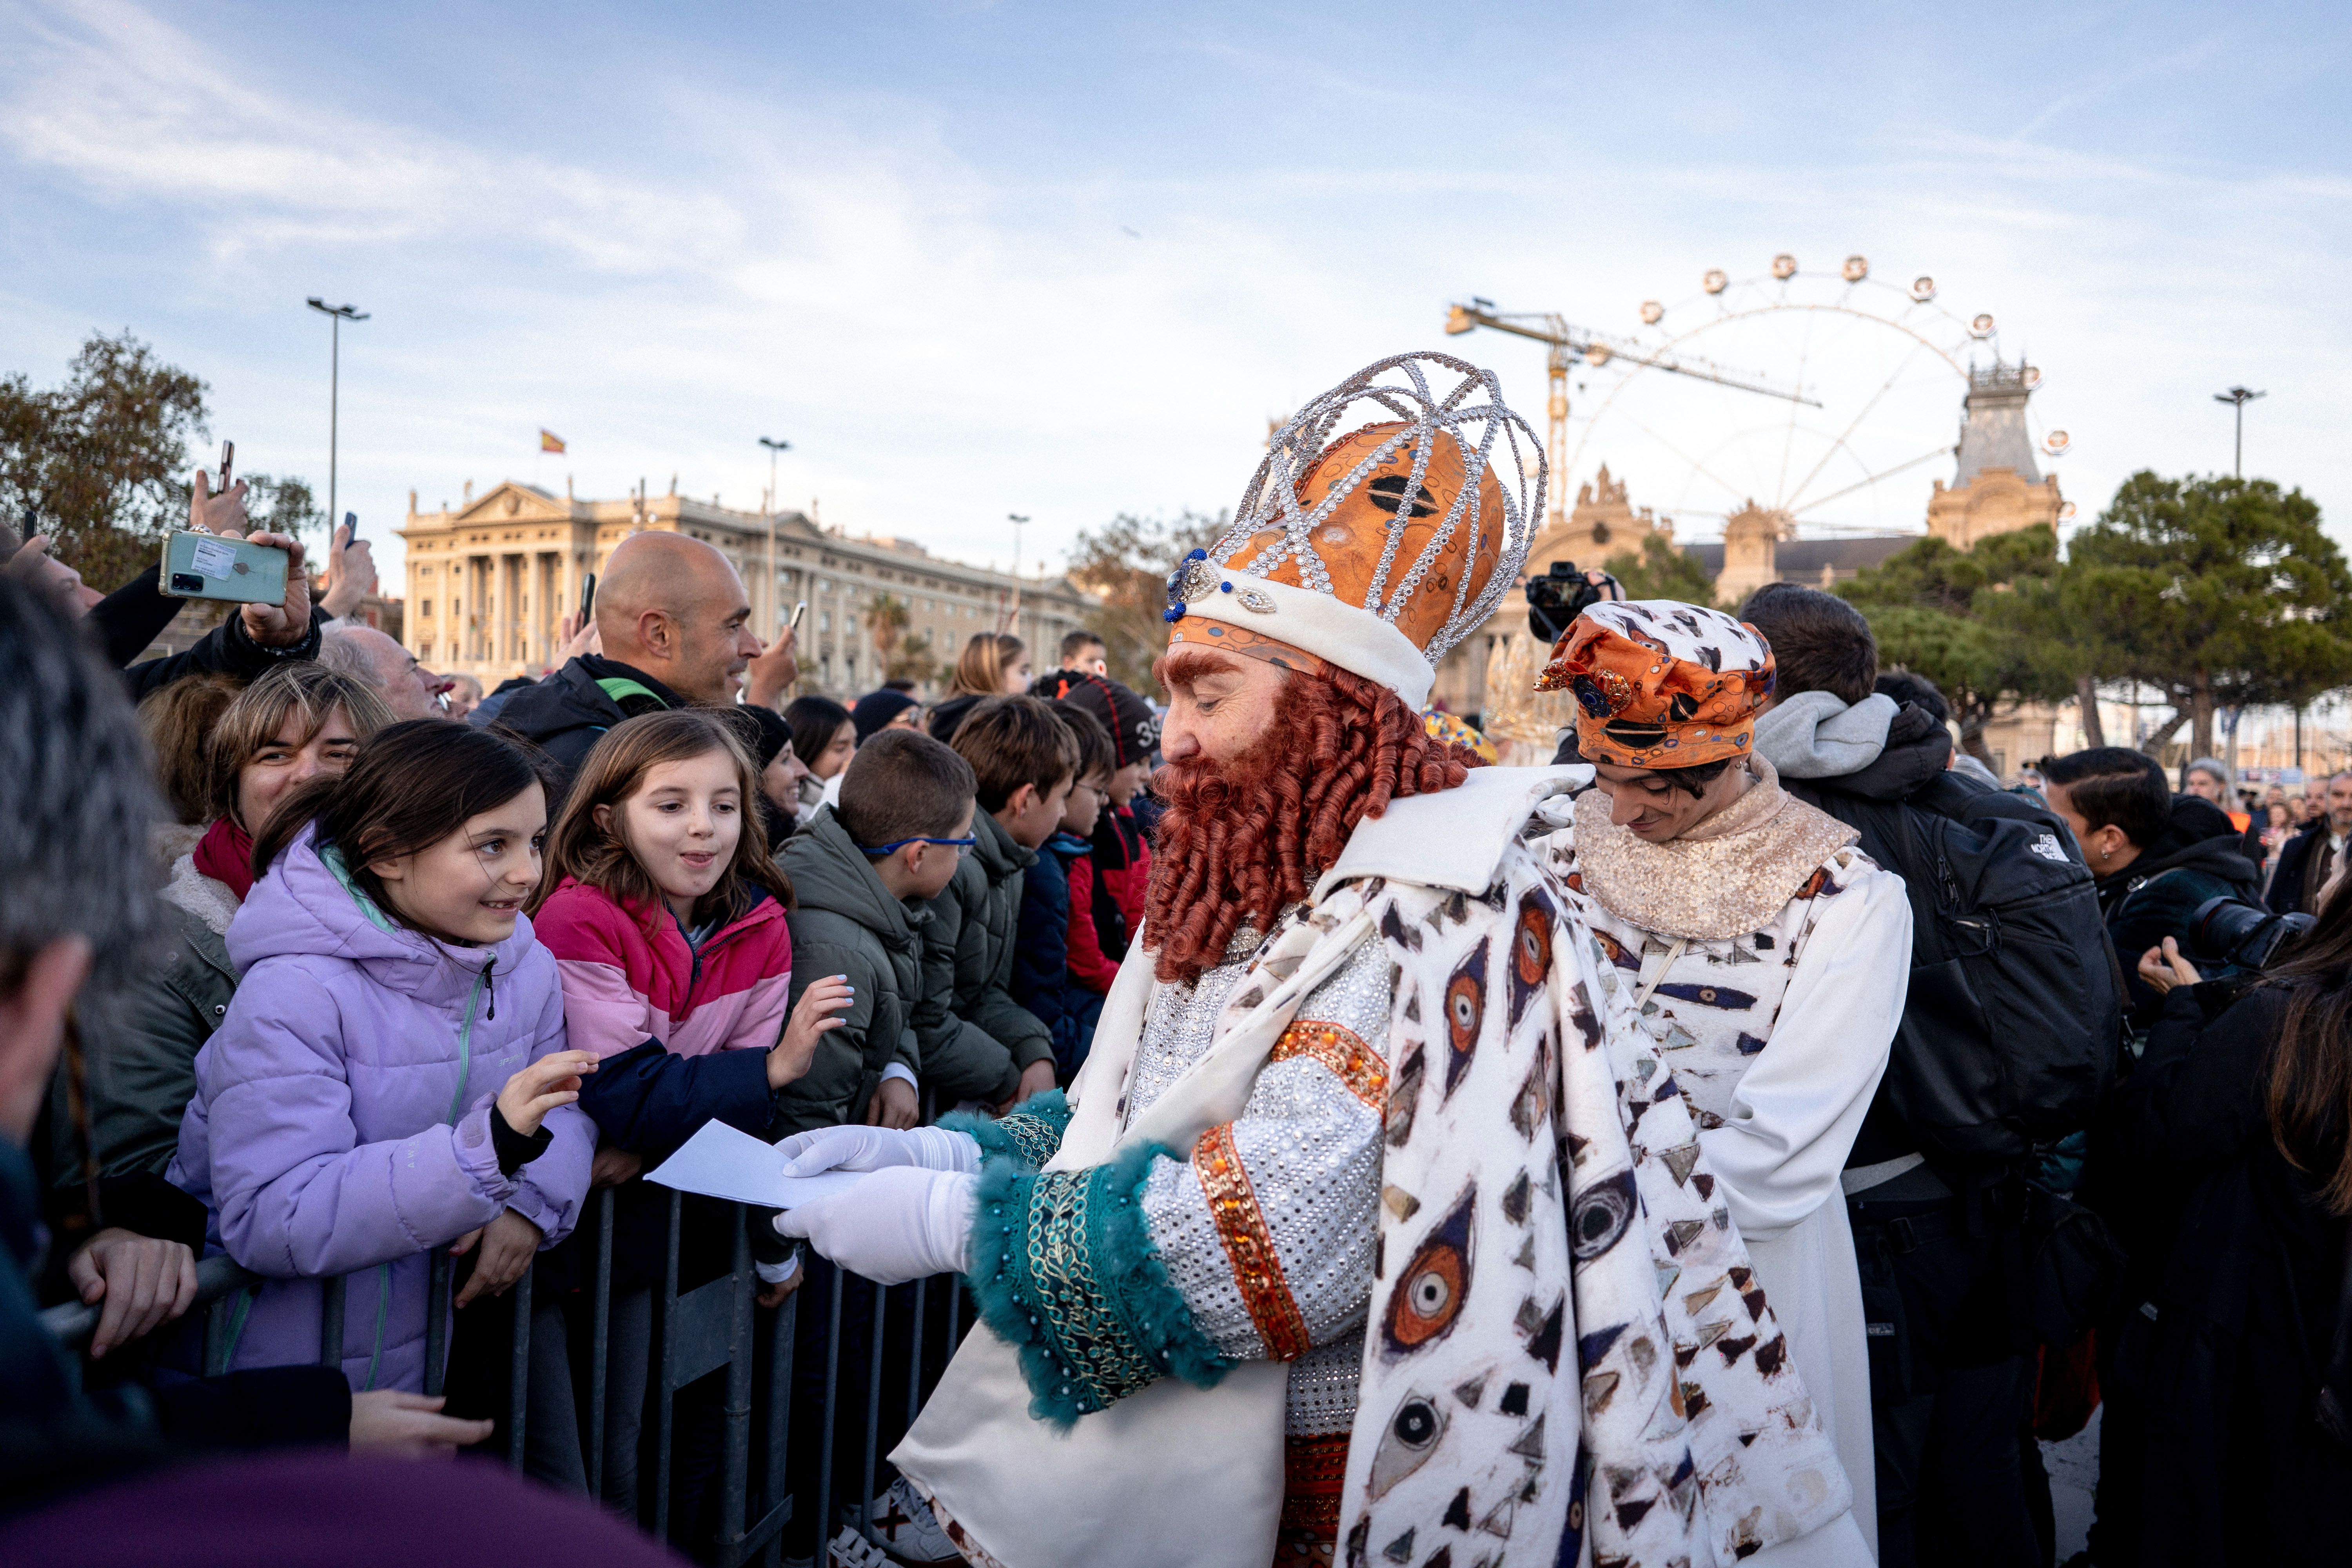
(1064, 1267)
(1030, 1136)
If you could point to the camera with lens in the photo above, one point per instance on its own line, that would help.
(2227, 930)
(1561, 595)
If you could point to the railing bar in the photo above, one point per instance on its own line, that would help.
(669, 1347)
(331, 1293)
(832, 1414)
(877, 1320)
(780, 1408)
(436, 1322)
(915, 1356)
(735, 1479)
(519, 1394)
(600, 1340)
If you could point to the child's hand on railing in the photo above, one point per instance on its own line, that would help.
(508, 1244)
(409, 1426)
(813, 1016)
(540, 1088)
(612, 1166)
(144, 1282)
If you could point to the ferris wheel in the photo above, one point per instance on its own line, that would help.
(1830, 398)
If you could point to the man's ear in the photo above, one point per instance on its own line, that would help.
(33, 1028)
(657, 633)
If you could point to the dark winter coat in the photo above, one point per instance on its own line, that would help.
(945, 716)
(2286, 890)
(223, 650)
(2227, 1366)
(975, 926)
(1042, 983)
(2195, 858)
(846, 923)
(566, 714)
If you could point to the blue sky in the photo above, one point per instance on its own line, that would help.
(1066, 260)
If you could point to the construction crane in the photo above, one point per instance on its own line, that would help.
(1596, 349)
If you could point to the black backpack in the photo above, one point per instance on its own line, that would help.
(2010, 1031)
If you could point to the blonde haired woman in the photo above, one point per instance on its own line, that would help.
(993, 664)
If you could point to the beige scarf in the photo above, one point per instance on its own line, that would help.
(1729, 874)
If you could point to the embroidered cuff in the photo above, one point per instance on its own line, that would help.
(1063, 1266)
(1030, 1136)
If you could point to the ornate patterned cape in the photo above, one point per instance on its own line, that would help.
(1559, 1303)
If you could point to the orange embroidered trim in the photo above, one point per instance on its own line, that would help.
(1314, 1474)
(1249, 1245)
(1356, 1064)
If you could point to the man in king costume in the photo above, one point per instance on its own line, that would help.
(1453, 1181)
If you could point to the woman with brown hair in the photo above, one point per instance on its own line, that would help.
(298, 723)
(2237, 1114)
(993, 664)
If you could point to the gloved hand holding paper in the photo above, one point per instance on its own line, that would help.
(720, 1161)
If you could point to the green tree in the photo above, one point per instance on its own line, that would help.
(1979, 623)
(2219, 592)
(900, 656)
(1126, 563)
(101, 463)
(1662, 571)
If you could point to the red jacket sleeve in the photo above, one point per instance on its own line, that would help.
(1088, 965)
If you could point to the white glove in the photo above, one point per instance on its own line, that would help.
(873, 1148)
(898, 1224)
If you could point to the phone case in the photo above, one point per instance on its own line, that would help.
(210, 566)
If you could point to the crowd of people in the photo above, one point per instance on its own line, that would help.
(428, 966)
(317, 960)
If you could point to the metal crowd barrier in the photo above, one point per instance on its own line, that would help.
(696, 1333)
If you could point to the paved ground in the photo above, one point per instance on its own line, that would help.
(2073, 1466)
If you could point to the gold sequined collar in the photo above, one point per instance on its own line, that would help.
(1735, 877)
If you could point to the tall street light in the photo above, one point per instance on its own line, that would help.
(338, 315)
(1018, 520)
(773, 446)
(2241, 398)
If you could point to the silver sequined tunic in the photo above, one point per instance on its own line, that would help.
(1313, 1154)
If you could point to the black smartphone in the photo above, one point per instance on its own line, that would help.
(228, 456)
(587, 598)
(351, 526)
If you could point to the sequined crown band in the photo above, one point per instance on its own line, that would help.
(1380, 549)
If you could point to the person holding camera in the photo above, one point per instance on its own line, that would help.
(2236, 1358)
(2157, 856)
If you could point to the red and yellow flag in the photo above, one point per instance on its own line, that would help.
(549, 441)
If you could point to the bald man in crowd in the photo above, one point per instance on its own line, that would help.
(672, 621)
(374, 660)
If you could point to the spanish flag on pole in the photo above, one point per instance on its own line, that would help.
(549, 441)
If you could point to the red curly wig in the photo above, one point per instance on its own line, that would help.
(1241, 842)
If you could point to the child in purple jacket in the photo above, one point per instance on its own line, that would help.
(392, 1076)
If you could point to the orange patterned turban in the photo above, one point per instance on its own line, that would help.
(1660, 684)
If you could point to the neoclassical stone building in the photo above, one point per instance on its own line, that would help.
(488, 581)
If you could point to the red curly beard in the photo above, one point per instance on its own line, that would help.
(1242, 841)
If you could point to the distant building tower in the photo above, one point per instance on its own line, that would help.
(1998, 488)
(1751, 544)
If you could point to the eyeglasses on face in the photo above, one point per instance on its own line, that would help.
(962, 846)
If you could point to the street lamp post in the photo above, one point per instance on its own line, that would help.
(1019, 519)
(2239, 397)
(773, 445)
(337, 315)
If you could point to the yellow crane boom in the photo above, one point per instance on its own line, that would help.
(1566, 341)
